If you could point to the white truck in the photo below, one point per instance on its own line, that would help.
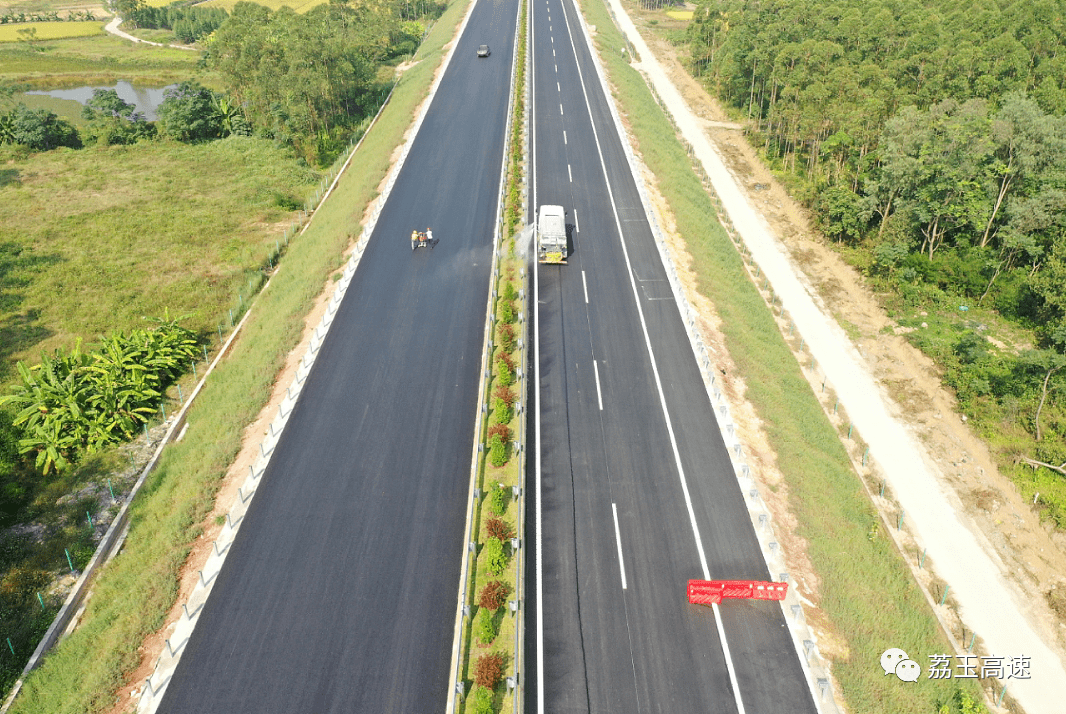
(551, 234)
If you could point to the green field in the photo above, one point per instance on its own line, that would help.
(98, 238)
(97, 60)
(867, 598)
(49, 30)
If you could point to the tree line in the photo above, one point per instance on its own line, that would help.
(190, 112)
(930, 137)
(187, 21)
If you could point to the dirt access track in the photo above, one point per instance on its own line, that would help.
(1028, 557)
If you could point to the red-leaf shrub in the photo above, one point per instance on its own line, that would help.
(507, 360)
(488, 670)
(499, 529)
(501, 430)
(505, 394)
(493, 595)
(506, 334)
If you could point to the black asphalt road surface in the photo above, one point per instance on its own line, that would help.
(608, 455)
(340, 592)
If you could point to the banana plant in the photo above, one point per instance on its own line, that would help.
(51, 401)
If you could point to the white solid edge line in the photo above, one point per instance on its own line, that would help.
(536, 370)
(599, 394)
(585, 285)
(655, 369)
(618, 539)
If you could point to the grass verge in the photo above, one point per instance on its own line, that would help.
(133, 593)
(866, 592)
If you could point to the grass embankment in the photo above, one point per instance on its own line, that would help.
(489, 636)
(98, 238)
(49, 30)
(865, 591)
(102, 60)
(136, 589)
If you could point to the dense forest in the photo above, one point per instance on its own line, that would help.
(928, 139)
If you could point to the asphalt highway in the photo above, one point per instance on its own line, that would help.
(340, 591)
(636, 491)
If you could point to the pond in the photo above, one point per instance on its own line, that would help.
(146, 99)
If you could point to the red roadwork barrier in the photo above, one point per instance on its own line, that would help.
(712, 592)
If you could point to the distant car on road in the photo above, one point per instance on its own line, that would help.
(483, 51)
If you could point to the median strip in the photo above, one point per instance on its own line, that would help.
(490, 618)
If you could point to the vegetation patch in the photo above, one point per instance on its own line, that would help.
(866, 591)
(297, 5)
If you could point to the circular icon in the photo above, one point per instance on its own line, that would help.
(908, 670)
(890, 658)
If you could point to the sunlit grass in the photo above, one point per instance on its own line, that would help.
(98, 238)
(297, 5)
(49, 30)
